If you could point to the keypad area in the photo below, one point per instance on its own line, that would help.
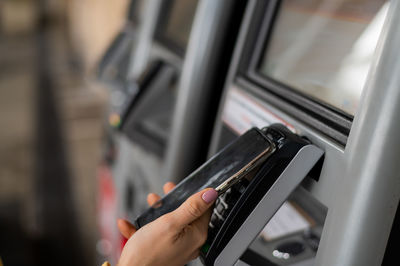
(223, 207)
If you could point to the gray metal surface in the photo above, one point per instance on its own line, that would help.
(359, 221)
(194, 90)
(290, 178)
(139, 57)
(241, 263)
(309, 262)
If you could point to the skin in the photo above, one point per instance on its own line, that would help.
(173, 239)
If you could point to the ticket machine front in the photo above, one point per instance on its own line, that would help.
(142, 124)
(147, 118)
(114, 66)
(178, 84)
(318, 68)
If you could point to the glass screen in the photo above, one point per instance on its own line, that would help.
(180, 21)
(324, 48)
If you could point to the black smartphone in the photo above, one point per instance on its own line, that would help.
(229, 166)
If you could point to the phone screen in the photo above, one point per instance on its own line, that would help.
(234, 158)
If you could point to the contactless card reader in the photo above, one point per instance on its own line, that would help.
(253, 175)
(244, 210)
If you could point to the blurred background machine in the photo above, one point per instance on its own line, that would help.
(161, 112)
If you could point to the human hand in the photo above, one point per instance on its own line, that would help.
(126, 228)
(174, 238)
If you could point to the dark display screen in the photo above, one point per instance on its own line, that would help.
(324, 48)
(176, 23)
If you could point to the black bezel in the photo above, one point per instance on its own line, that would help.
(160, 33)
(322, 116)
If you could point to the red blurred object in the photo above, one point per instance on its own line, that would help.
(107, 212)
(123, 242)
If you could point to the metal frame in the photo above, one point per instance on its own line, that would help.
(196, 87)
(360, 220)
(139, 57)
(310, 110)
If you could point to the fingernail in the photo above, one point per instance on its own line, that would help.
(210, 195)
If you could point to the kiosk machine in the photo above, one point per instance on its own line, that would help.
(329, 72)
(186, 66)
(142, 125)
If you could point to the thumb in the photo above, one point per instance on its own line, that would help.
(195, 206)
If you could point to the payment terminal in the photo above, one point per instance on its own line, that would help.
(253, 175)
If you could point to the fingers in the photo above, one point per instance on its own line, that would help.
(125, 228)
(152, 198)
(194, 207)
(168, 187)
